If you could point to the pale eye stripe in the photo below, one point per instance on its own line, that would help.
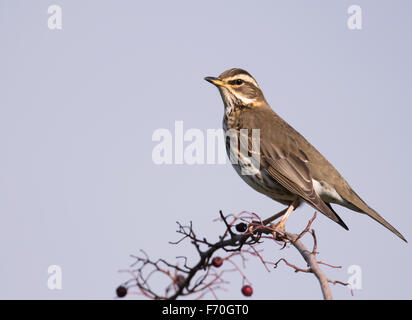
(244, 77)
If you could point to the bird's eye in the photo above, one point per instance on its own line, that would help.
(236, 82)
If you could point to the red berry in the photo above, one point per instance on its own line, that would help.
(217, 262)
(247, 291)
(121, 291)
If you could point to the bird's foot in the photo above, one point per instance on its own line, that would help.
(279, 232)
(280, 226)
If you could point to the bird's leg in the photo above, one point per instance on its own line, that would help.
(281, 224)
(266, 222)
(274, 217)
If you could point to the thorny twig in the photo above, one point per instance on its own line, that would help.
(312, 262)
(203, 277)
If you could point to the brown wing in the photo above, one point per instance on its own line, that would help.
(293, 174)
(283, 159)
(278, 136)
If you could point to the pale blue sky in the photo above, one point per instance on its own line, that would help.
(78, 107)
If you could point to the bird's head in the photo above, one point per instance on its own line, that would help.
(238, 89)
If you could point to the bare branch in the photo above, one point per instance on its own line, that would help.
(203, 277)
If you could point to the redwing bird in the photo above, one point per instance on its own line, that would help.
(290, 169)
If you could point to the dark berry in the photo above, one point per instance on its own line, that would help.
(247, 290)
(121, 291)
(217, 262)
(241, 227)
(180, 280)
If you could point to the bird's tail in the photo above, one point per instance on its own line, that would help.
(377, 217)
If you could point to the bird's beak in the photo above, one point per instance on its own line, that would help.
(216, 81)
